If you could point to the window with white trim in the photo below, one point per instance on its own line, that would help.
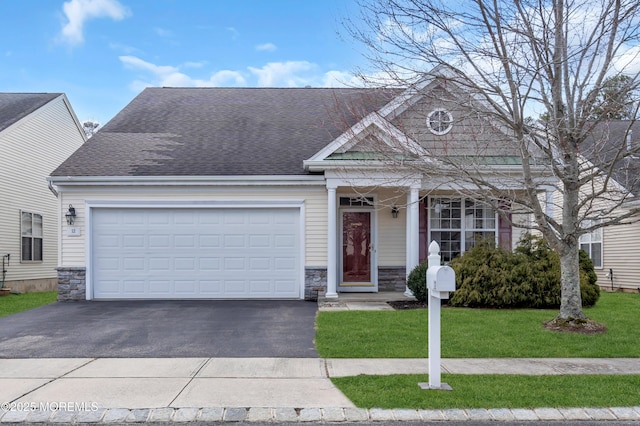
(592, 242)
(457, 224)
(439, 121)
(31, 237)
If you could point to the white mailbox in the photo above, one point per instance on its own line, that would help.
(441, 279)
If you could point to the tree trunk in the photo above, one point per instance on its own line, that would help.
(571, 298)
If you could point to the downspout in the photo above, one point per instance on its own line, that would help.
(52, 189)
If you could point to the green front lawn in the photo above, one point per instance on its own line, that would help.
(480, 333)
(491, 391)
(15, 303)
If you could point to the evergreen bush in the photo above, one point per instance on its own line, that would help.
(489, 276)
(417, 282)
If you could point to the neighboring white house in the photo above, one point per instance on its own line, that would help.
(37, 132)
(227, 193)
(615, 250)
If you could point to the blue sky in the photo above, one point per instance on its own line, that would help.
(102, 53)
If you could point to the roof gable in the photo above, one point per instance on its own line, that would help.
(16, 106)
(399, 129)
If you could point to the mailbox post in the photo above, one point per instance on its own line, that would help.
(440, 281)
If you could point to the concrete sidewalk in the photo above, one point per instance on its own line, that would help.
(261, 389)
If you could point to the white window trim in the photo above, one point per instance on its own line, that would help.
(463, 229)
(440, 132)
(589, 240)
(32, 213)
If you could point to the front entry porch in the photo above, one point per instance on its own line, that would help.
(362, 301)
(367, 237)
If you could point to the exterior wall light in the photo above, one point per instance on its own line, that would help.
(394, 211)
(71, 215)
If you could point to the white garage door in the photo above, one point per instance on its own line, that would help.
(163, 253)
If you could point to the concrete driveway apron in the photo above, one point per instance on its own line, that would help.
(162, 329)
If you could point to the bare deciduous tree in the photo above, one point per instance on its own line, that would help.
(505, 61)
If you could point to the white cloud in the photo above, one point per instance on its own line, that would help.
(284, 74)
(341, 79)
(170, 76)
(627, 61)
(266, 47)
(78, 12)
(137, 63)
(273, 74)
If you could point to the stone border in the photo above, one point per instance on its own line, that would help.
(330, 414)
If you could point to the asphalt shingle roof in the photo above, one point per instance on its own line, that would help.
(221, 131)
(607, 141)
(15, 106)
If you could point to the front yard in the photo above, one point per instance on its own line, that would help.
(480, 333)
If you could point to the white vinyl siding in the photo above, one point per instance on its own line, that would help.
(314, 199)
(622, 254)
(31, 149)
(392, 231)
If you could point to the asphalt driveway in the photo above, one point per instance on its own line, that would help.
(224, 328)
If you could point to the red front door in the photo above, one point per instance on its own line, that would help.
(356, 247)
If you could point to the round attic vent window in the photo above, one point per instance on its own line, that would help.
(439, 121)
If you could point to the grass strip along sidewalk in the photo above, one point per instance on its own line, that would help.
(492, 391)
(484, 333)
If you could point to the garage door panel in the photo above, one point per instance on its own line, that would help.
(209, 264)
(134, 218)
(209, 241)
(210, 287)
(134, 286)
(133, 264)
(259, 241)
(235, 287)
(195, 253)
(186, 287)
(160, 287)
(159, 241)
(284, 241)
(108, 241)
(284, 286)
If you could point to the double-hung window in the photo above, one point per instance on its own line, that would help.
(31, 237)
(592, 243)
(457, 224)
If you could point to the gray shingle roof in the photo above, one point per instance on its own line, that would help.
(15, 106)
(220, 131)
(617, 138)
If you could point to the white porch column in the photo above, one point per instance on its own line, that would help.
(413, 231)
(332, 233)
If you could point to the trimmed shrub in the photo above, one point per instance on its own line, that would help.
(416, 281)
(489, 276)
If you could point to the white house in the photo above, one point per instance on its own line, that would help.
(229, 193)
(37, 132)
